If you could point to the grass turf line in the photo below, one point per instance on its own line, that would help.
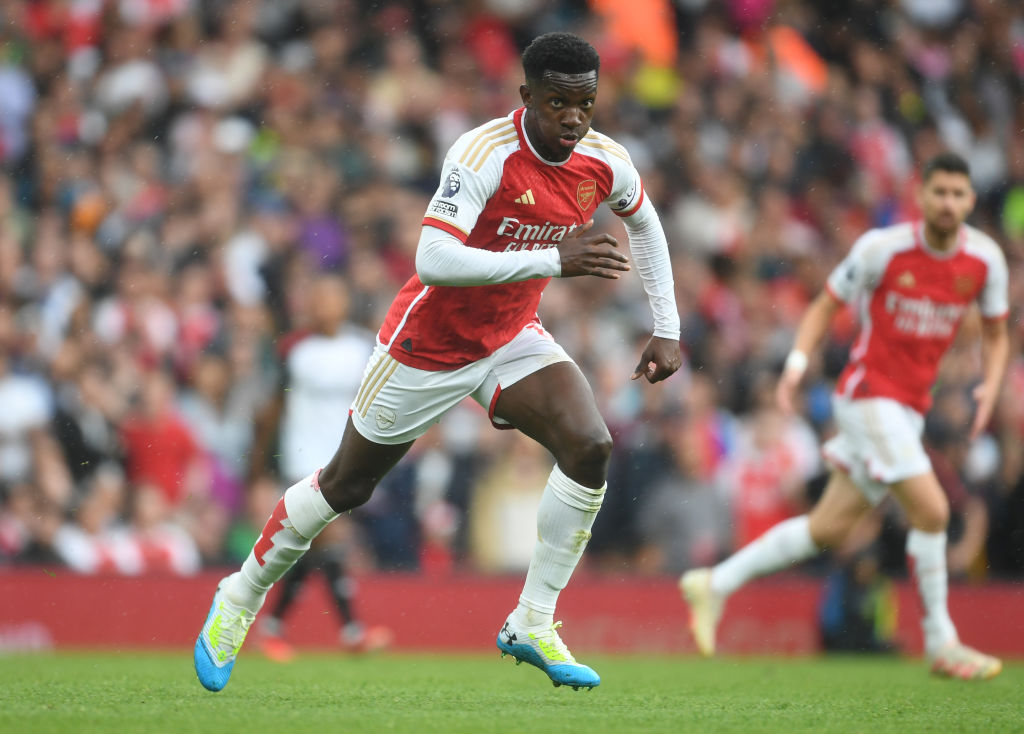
(143, 692)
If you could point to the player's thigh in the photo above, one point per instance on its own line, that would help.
(923, 501)
(533, 385)
(397, 403)
(840, 507)
(878, 443)
(356, 468)
(556, 407)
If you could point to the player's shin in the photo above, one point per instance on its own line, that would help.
(298, 518)
(927, 555)
(565, 517)
(783, 545)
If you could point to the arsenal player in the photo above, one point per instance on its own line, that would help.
(911, 285)
(514, 209)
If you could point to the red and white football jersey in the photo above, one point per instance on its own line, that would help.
(911, 300)
(497, 193)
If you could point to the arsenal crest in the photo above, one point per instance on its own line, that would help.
(585, 193)
(964, 285)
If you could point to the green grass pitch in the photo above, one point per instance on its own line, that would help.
(87, 692)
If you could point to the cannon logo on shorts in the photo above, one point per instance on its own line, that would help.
(386, 418)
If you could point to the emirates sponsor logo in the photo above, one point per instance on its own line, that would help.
(532, 236)
(923, 317)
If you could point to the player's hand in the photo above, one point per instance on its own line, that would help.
(597, 254)
(785, 391)
(986, 401)
(660, 359)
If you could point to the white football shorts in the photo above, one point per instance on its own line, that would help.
(878, 443)
(397, 403)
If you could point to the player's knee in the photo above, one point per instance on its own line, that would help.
(344, 493)
(829, 530)
(827, 536)
(586, 457)
(932, 518)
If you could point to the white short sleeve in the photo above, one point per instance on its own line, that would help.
(994, 298)
(469, 177)
(858, 272)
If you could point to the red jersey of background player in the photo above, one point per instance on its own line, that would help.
(911, 300)
(497, 193)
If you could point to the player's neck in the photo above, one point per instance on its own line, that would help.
(939, 240)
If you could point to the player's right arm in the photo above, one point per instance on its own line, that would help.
(441, 259)
(596, 254)
(854, 275)
(813, 325)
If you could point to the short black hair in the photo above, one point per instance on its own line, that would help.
(566, 53)
(949, 162)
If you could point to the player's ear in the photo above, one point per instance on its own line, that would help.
(526, 95)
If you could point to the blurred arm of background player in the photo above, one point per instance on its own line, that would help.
(812, 328)
(995, 349)
(265, 435)
(962, 554)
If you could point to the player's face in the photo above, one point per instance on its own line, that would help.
(558, 111)
(946, 200)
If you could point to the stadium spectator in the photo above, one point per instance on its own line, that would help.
(160, 449)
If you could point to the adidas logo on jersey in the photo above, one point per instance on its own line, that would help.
(526, 198)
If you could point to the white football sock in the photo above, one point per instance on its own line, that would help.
(927, 555)
(783, 545)
(298, 518)
(564, 518)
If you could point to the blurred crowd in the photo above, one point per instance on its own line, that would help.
(175, 176)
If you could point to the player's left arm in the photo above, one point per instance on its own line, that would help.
(995, 349)
(662, 355)
(995, 341)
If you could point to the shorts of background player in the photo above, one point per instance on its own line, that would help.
(878, 443)
(397, 403)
